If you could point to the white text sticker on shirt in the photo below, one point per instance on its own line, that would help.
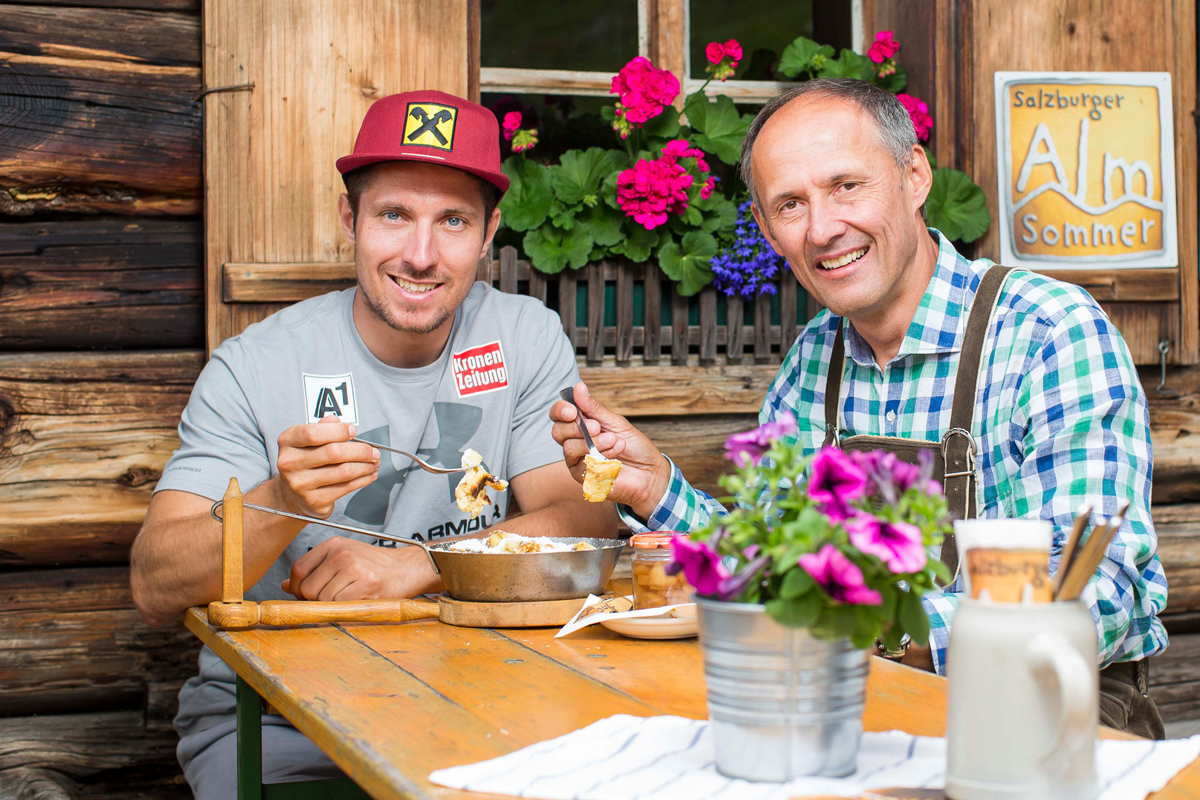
(480, 369)
(330, 394)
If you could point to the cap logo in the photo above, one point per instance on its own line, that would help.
(430, 125)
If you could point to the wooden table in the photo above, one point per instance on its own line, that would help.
(391, 703)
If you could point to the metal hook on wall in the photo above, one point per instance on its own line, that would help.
(1163, 348)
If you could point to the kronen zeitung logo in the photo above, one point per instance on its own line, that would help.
(1086, 169)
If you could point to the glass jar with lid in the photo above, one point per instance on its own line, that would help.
(652, 586)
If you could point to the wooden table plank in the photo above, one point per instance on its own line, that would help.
(391, 703)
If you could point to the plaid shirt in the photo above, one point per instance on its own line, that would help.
(1060, 421)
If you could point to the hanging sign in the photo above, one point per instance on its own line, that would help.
(1086, 164)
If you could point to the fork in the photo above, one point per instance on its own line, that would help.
(422, 464)
(568, 394)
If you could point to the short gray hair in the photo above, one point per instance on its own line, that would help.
(895, 126)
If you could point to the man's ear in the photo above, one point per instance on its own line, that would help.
(920, 174)
(492, 226)
(346, 215)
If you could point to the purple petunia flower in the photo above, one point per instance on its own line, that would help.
(734, 585)
(897, 544)
(752, 445)
(700, 563)
(835, 481)
(889, 477)
(838, 577)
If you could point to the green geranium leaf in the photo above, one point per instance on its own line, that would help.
(720, 216)
(552, 250)
(578, 175)
(604, 224)
(563, 216)
(527, 201)
(895, 82)
(799, 612)
(720, 129)
(914, 619)
(639, 243)
(956, 206)
(798, 56)
(689, 262)
(849, 64)
(664, 126)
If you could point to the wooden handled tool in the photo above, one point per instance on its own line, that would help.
(1069, 547)
(1084, 565)
(233, 613)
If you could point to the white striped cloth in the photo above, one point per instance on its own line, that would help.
(665, 758)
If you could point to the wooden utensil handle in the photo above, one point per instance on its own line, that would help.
(303, 612)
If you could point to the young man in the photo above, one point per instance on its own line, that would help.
(838, 181)
(418, 356)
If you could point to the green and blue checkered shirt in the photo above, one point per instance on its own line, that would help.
(1060, 421)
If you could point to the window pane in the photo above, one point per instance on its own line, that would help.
(762, 29)
(598, 37)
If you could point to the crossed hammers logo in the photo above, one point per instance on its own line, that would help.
(429, 124)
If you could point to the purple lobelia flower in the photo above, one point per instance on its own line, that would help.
(734, 585)
(700, 563)
(749, 266)
(752, 445)
(838, 577)
(897, 544)
(835, 481)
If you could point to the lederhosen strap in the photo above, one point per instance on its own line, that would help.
(957, 444)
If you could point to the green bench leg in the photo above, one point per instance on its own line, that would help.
(249, 761)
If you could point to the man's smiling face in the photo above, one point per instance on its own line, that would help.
(834, 202)
(418, 236)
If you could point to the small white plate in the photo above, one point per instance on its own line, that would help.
(661, 627)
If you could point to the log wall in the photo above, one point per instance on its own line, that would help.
(101, 337)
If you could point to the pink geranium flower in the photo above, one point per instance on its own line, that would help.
(700, 564)
(897, 544)
(722, 58)
(512, 121)
(884, 47)
(752, 445)
(644, 91)
(707, 189)
(835, 481)
(651, 189)
(838, 577)
(919, 112)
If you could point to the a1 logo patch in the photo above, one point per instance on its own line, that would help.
(430, 125)
(330, 394)
(480, 369)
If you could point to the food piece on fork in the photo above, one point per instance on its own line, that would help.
(471, 493)
(598, 477)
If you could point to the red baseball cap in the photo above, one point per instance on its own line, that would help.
(431, 127)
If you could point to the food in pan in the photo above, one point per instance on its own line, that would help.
(505, 542)
(471, 493)
(598, 477)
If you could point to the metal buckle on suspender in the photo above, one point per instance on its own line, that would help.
(831, 433)
(970, 470)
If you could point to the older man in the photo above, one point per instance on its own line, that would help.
(417, 356)
(1055, 413)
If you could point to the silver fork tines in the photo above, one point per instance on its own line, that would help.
(422, 464)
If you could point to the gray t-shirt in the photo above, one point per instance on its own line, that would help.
(491, 391)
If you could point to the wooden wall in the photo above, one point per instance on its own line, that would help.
(101, 337)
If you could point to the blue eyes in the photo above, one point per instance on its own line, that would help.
(455, 223)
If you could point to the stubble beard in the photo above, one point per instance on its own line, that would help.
(381, 310)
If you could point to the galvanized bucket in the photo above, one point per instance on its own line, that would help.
(781, 704)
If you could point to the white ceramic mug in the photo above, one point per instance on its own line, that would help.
(1023, 702)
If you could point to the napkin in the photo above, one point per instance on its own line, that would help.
(665, 758)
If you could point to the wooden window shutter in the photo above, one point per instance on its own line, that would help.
(952, 50)
(271, 188)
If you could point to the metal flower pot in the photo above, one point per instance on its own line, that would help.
(781, 704)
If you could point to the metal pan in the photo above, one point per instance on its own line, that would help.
(500, 577)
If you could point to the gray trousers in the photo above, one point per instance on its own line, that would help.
(210, 758)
